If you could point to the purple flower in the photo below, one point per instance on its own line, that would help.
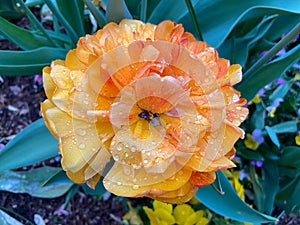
(281, 52)
(257, 163)
(298, 111)
(275, 104)
(261, 92)
(258, 136)
(280, 81)
(61, 211)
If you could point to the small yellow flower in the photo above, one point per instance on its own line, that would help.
(185, 215)
(132, 216)
(255, 100)
(234, 180)
(297, 139)
(272, 113)
(250, 142)
(161, 214)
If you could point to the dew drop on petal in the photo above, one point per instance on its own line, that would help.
(80, 132)
(120, 146)
(82, 146)
(135, 186)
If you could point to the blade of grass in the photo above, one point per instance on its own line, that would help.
(63, 21)
(272, 52)
(16, 214)
(143, 14)
(194, 18)
(35, 22)
(99, 17)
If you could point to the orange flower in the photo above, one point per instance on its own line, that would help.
(148, 107)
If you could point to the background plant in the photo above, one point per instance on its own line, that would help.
(241, 31)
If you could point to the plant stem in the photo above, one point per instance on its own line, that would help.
(273, 51)
(143, 14)
(74, 37)
(194, 18)
(17, 214)
(35, 22)
(100, 18)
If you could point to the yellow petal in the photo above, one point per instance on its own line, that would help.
(181, 212)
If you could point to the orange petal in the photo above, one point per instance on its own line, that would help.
(202, 179)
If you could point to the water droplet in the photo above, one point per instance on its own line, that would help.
(236, 122)
(238, 108)
(80, 132)
(153, 142)
(82, 146)
(119, 183)
(135, 186)
(145, 161)
(197, 122)
(133, 148)
(116, 157)
(113, 143)
(120, 146)
(126, 154)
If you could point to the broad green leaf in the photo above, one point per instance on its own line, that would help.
(116, 11)
(229, 204)
(258, 117)
(285, 127)
(239, 49)
(290, 157)
(268, 73)
(33, 144)
(268, 152)
(59, 177)
(163, 11)
(251, 155)
(72, 11)
(270, 184)
(31, 182)
(272, 134)
(16, 63)
(9, 9)
(23, 38)
(31, 3)
(289, 196)
(6, 219)
(281, 90)
(218, 18)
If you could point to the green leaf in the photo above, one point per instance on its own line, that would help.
(270, 184)
(258, 117)
(9, 10)
(117, 10)
(251, 155)
(6, 219)
(289, 196)
(23, 38)
(219, 17)
(99, 17)
(268, 73)
(238, 50)
(272, 134)
(72, 11)
(17, 63)
(31, 182)
(59, 177)
(281, 90)
(33, 144)
(285, 127)
(229, 204)
(290, 157)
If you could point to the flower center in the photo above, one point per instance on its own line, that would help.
(148, 115)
